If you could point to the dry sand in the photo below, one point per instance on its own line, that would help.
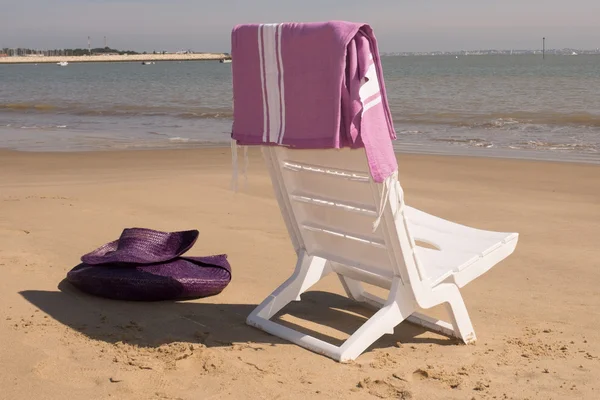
(535, 314)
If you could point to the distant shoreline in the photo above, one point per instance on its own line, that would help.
(113, 58)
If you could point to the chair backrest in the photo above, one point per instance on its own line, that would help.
(330, 202)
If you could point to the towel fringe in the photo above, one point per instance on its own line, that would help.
(385, 194)
(245, 167)
(235, 165)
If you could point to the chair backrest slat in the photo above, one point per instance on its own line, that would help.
(332, 202)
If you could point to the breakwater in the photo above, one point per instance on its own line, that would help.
(113, 58)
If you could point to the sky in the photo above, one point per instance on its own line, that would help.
(400, 25)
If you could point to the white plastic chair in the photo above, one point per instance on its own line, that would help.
(329, 203)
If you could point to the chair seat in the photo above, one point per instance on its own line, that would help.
(462, 253)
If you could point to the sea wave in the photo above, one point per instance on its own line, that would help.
(494, 120)
(128, 110)
(552, 145)
(521, 145)
(43, 127)
(508, 120)
(179, 140)
(472, 142)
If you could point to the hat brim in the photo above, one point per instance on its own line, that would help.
(182, 278)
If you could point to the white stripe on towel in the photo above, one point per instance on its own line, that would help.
(370, 92)
(272, 80)
(371, 86)
(281, 86)
(371, 103)
(262, 81)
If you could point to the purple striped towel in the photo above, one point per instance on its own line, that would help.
(312, 86)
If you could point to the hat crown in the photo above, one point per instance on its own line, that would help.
(143, 246)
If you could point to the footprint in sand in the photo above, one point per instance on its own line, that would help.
(384, 389)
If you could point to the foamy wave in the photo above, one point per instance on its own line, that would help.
(415, 132)
(468, 142)
(179, 140)
(40, 127)
(542, 145)
(118, 110)
(499, 120)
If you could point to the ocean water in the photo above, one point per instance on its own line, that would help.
(516, 106)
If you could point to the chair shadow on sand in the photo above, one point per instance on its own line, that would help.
(151, 324)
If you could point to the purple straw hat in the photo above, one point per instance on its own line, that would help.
(142, 246)
(146, 265)
(182, 278)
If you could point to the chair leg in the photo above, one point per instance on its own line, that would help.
(309, 270)
(460, 327)
(459, 317)
(397, 308)
(432, 324)
(353, 288)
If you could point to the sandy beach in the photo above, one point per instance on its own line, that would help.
(535, 314)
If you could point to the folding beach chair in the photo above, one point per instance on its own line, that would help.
(329, 201)
(340, 220)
